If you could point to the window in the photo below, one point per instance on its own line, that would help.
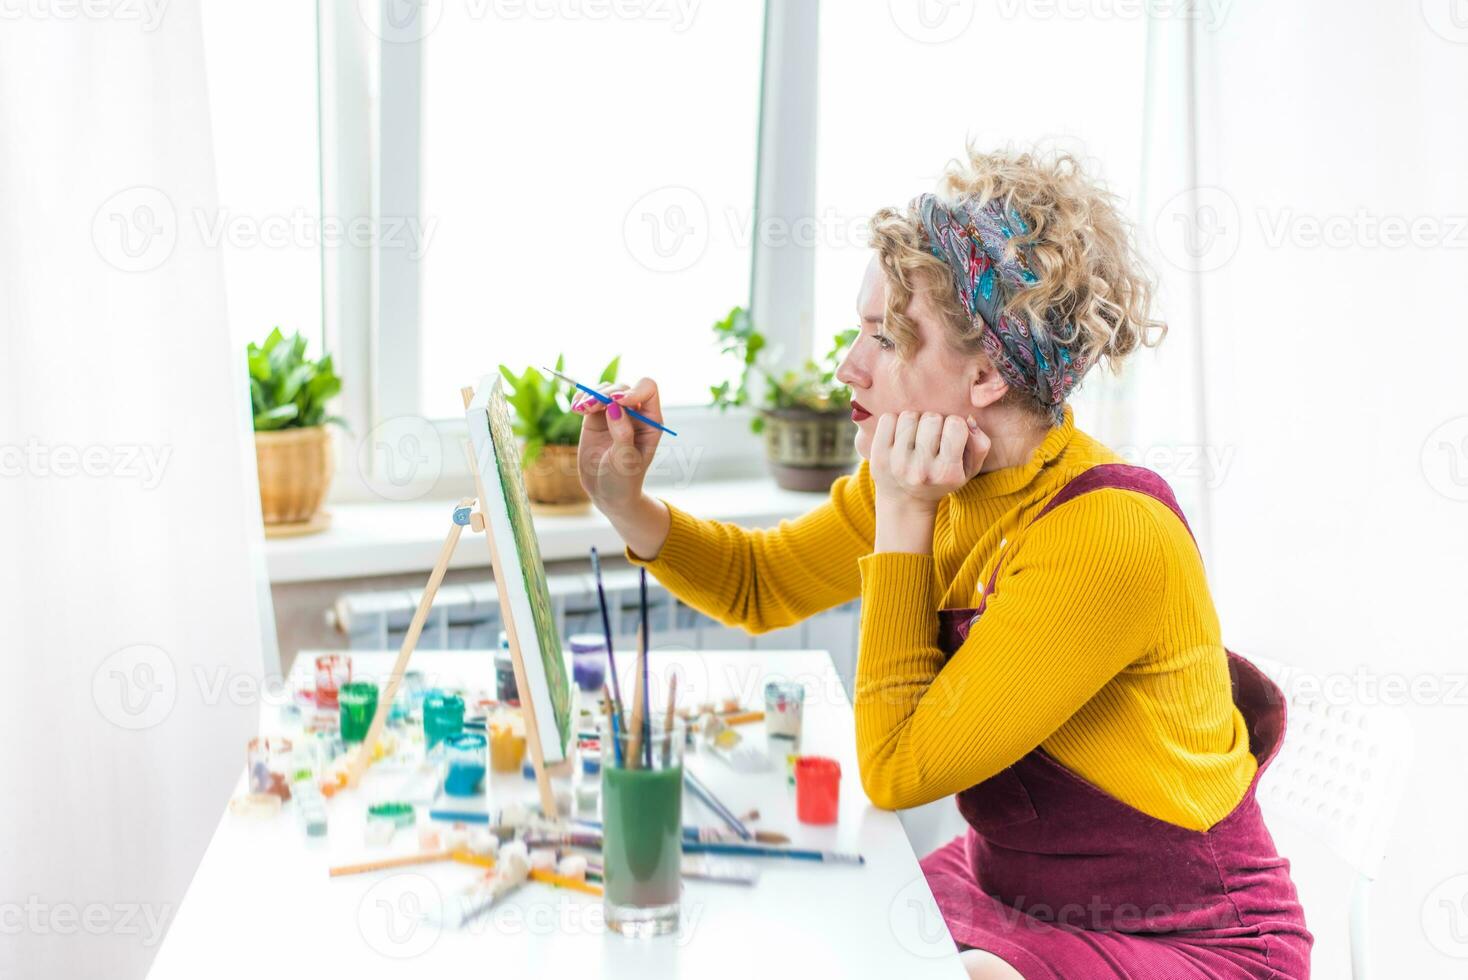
(586, 186)
(268, 225)
(608, 179)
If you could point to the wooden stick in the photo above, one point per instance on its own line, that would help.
(358, 762)
(609, 710)
(401, 861)
(634, 730)
(668, 720)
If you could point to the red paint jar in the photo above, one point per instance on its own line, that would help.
(332, 671)
(817, 789)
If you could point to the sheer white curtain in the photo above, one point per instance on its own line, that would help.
(132, 590)
(1331, 235)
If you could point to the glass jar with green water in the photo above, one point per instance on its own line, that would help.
(642, 821)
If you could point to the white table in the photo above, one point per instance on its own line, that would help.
(261, 904)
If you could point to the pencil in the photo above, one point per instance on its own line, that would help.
(605, 400)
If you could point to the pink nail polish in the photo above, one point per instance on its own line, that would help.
(616, 396)
(614, 411)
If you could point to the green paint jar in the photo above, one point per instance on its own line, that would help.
(358, 701)
(443, 716)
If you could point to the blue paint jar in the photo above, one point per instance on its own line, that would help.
(466, 754)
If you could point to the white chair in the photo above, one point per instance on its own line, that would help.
(1339, 775)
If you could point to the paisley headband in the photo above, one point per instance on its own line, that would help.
(971, 239)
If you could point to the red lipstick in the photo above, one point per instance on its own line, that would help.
(859, 414)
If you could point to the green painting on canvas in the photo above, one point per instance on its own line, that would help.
(509, 512)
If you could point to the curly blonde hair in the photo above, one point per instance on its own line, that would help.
(1093, 289)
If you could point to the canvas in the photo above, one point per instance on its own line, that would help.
(525, 597)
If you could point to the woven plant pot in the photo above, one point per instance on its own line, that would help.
(295, 467)
(808, 450)
(551, 482)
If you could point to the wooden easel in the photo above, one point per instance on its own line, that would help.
(465, 515)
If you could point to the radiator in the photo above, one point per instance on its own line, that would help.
(466, 617)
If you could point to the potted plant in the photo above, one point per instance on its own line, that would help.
(293, 453)
(549, 431)
(806, 416)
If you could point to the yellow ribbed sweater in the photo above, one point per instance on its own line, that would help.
(1100, 644)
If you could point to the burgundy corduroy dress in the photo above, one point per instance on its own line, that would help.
(1065, 882)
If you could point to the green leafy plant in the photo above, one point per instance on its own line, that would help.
(542, 406)
(812, 386)
(287, 389)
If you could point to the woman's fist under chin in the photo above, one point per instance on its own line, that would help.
(922, 457)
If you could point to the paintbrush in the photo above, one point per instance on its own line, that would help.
(725, 814)
(710, 834)
(606, 400)
(566, 839)
(606, 628)
(760, 850)
(643, 639)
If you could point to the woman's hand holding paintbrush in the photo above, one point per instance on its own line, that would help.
(613, 457)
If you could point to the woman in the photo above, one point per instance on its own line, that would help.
(1037, 634)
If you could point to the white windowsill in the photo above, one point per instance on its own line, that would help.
(386, 538)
